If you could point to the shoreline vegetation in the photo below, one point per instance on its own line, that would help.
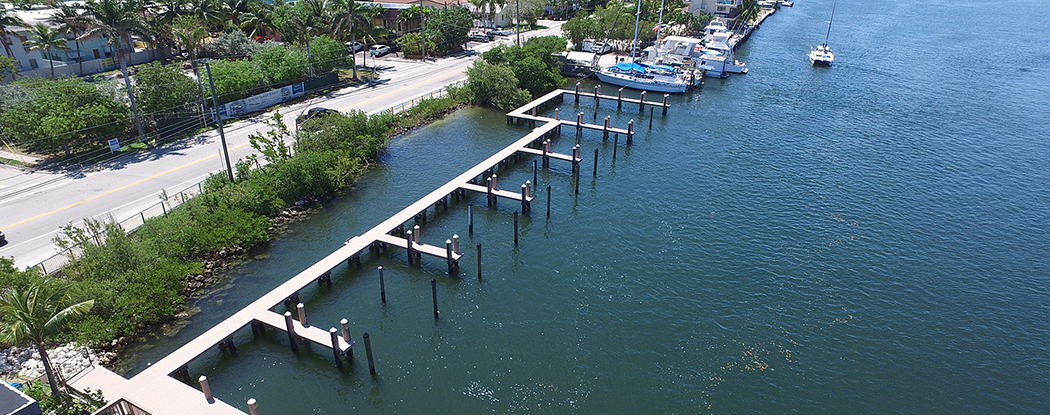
(143, 279)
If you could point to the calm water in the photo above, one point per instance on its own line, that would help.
(869, 238)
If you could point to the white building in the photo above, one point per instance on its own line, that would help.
(718, 8)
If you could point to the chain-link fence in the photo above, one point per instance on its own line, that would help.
(174, 200)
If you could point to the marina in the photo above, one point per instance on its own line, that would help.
(796, 240)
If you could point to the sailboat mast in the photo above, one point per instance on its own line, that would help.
(828, 36)
(659, 28)
(637, 20)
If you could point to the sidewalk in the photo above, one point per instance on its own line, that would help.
(25, 159)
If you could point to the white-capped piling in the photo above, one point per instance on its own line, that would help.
(667, 98)
(641, 102)
(524, 198)
(579, 127)
(344, 330)
(470, 218)
(253, 407)
(630, 131)
(334, 333)
(382, 286)
(416, 232)
(293, 342)
(605, 128)
(455, 243)
(619, 100)
(206, 388)
(301, 309)
(577, 94)
(408, 245)
(448, 257)
(597, 95)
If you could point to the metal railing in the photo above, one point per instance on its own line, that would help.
(174, 200)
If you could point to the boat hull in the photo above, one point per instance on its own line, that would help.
(634, 83)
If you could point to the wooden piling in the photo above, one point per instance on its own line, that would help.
(416, 231)
(335, 347)
(301, 308)
(290, 328)
(605, 128)
(434, 295)
(595, 174)
(368, 353)
(548, 201)
(616, 139)
(455, 243)
(470, 218)
(515, 228)
(382, 286)
(253, 407)
(666, 102)
(231, 346)
(535, 173)
(577, 94)
(619, 100)
(641, 103)
(556, 110)
(344, 329)
(448, 256)
(206, 388)
(630, 131)
(524, 199)
(579, 127)
(479, 261)
(408, 238)
(650, 118)
(597, 96)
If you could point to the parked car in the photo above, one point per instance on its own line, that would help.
(354, 46)
(3, 239)
(312, 113)
(501, 31)
(480, 37)
(379, 50)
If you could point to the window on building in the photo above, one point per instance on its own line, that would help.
(33, 64)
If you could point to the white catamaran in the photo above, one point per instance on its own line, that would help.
(822, 55)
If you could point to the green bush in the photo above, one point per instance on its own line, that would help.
(236, 79)
(326, 54)
(280, 65)
(495, 86)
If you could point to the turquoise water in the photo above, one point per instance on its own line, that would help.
(869, 238)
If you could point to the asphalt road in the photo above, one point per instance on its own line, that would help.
(35, 205)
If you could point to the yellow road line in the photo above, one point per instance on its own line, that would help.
(75, 204)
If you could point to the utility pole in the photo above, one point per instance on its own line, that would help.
(218, 120)
(517, 21)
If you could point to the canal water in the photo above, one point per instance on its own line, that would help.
(866, 238)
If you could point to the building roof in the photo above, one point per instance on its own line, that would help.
(13, 401)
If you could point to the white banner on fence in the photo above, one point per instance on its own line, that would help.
(263, 100)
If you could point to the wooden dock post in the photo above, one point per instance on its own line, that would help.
(206, 388)
(535, 172)
(408, 237)
(183, 374)
(335, 347)
(434, 295)
(576, 166)
(605, 128)
(448, 256)
(229, 345)
(616, 140)
(382, 286)
(301, 308)
(455, 243)
(524, 199)
(641, 103)
(548, 201)
(630, 131)
(258, 330)
(344, 330)
(470, 218)
(546, 153)
(595, 174)
(556, 114)
(619, 100)
(579, 127)
(577, 93)
(666, 102)
(253, 407)
(650, 118)
(416, 231)
(368, 353)
(290, 328)
(515, 228)
(479, 261)
(597, 96)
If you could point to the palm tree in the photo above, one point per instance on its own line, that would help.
(44, 39)
(190, 36)
(207, 11)
(8, 19)
(259, 19)
(346, 14)
(71, 20)
(117, 21)
(34, 314)
(234, 9)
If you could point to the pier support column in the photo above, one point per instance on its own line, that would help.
(666, 102)
(630, 131)
(641, 102)
(448, 257)
(577, 94)
(515, 228)
(382, 286)
(597, 96)
(548, 203)
(595, 174)
(336, 353)
(344, 330)
(650, 118)
(470, 218)
(368, 354)
(253, 407)
(290, 328)
(579, 127)
(301, 308)
(408, 238)
(524, 199)
(434, 295)
(619, 100)
(206, 388)
(479, 261)
(605, 128)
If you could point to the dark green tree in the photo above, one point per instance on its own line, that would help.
(164, 91)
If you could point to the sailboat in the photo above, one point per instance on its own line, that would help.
(648, 77)
(822, 55)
